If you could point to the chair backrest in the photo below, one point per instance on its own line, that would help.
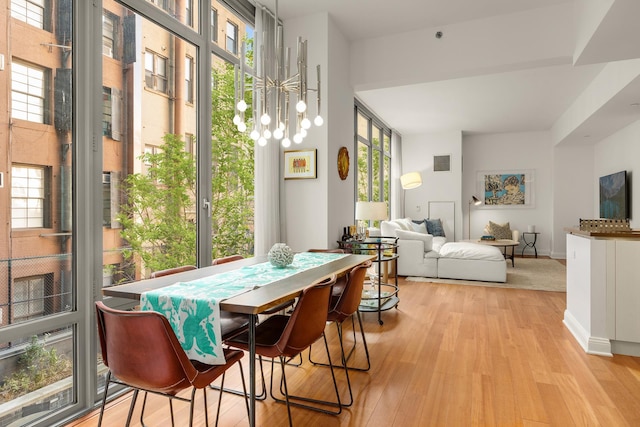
(351, 295)
(141, 349)
(308, 320)
(333, 251)
(173, 270)
(226, 259)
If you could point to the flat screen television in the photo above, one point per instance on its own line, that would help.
(614, 200)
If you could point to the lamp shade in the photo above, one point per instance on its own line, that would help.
(371, 210)
(411, 180)
(475, 201)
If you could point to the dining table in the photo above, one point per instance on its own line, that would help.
(255, 299)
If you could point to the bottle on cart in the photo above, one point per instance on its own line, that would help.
(345, 234)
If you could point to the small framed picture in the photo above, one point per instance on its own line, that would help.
(300, 164)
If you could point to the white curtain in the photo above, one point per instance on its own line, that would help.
(267, 159)
(397, 193)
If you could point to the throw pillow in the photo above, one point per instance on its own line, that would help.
(499, 231)
(419, 227)
(427, 239)
(405, 223)
(434, 227)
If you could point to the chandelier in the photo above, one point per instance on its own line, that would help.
(275, 89)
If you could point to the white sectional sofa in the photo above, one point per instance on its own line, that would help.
(424, 255)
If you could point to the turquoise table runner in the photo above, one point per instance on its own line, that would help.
(193, 307)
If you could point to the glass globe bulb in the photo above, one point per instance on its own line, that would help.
(242, 127)
(236, 120)
(297, 138)
(305, 123)
(265, 119)
(278, 133)
(301, 106)
(242, 105)
(254, 135)
(267, 133)
(318, 121)
(303, 133)
(286, 143)
(262, 141)
(281, 126)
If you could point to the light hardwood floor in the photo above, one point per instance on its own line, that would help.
(449, 355)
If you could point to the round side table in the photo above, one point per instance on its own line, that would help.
(530, 244)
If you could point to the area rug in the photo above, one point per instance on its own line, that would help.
(539, 274)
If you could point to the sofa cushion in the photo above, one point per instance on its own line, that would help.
(427, 239)
(433, 226)
(405, 223)
(419, 227)
(499, 231)
(388, 228)
(467, 250)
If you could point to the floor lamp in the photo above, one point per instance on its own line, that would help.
(408, 181)
(476, 202)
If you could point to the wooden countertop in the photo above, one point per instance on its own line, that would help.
(633, 234)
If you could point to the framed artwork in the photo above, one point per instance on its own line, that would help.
(506, 189)
(300, 164)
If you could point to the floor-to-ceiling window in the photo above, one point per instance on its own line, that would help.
(108, 173)
(37, 292)
(373, 148)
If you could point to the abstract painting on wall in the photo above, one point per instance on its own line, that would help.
(506, 189)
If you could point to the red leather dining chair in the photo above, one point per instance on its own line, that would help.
(230, 323)
(223, 260)
(174, 270)
(142, 351)
(231, 258)
(285, 337)
(346, 307)
(341, 280)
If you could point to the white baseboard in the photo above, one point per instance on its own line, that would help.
(592, 345)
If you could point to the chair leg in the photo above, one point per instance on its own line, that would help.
(104, 396)
(261, 396)
(286, 390)
(173, 421)
(191, 405)
(219, 398)
(131, 406)
(348, 356)
(289, 397)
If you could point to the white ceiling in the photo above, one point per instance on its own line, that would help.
(510, 101)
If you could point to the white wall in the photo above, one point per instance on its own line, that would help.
(417, 156)
(508, 152)
(620, 151)
(572, 192)
(317, 209)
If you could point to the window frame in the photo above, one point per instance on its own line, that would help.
(30, 299)
(29, 93)
(45, 199)
(189, 78)
(43, 7)
(113, 37)
(233, 40)
(382, 149)
(156, 77)
(214, 25)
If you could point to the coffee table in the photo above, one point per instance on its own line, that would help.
(501, 243)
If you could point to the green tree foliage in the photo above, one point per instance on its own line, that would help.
(37, 367)
(159, 219)
(233, 170)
